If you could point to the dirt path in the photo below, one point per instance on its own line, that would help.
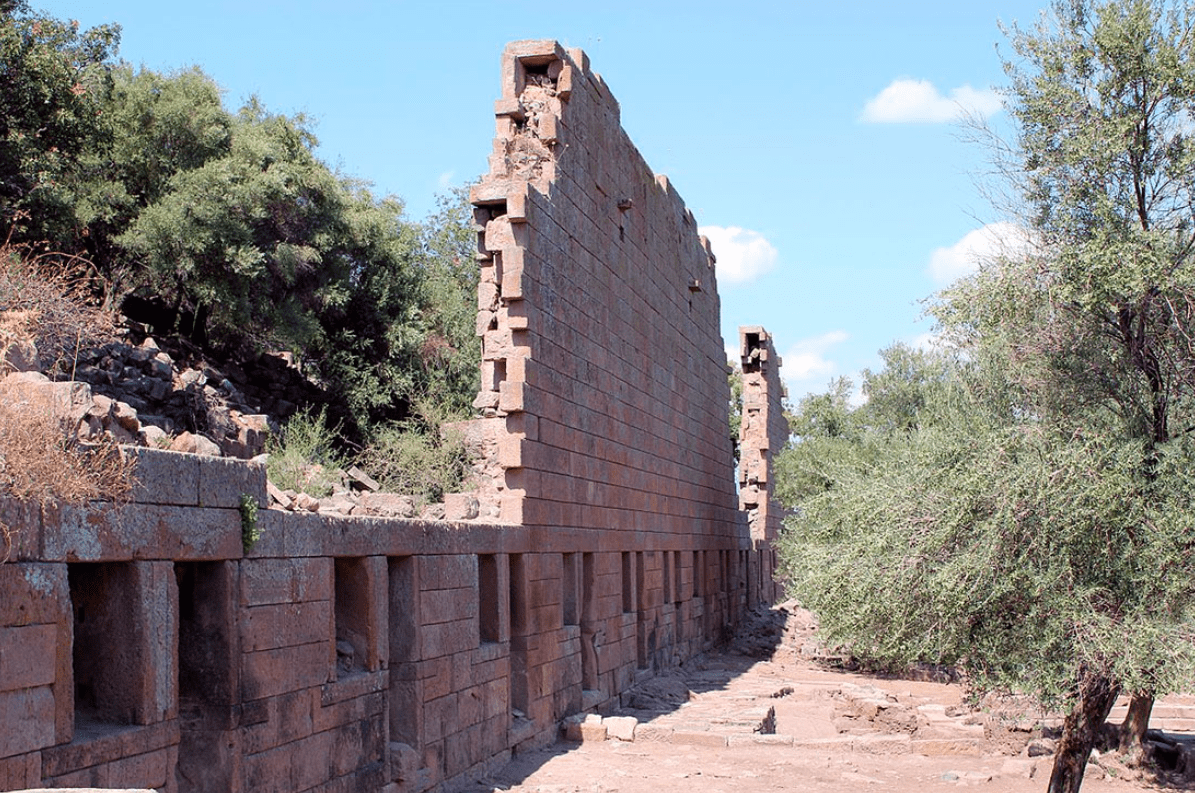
(730, 723)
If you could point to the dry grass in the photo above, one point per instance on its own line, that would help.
(44, 301)
(47, 299)
(43, 462)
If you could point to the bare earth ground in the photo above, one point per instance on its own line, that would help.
(731, 722)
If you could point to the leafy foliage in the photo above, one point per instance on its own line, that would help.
(53, 81)
(305, 456)
(1025, 509)
(418, 457)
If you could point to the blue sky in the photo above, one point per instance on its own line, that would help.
(813, 143)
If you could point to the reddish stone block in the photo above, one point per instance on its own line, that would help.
(271, 672)
(23, 655)
(28, 716)
(21, 771)
(266, 581)
(285, 625)
(457, 571)
(281, 720)
(21, 541)
(150, 770)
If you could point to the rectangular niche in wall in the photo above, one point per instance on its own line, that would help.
(667, 576)
(589, 666)
(677, 592)
(205, 658)
(569, 582)
(207, 682)
(628, 588)
(104, 653)
(351, 607)
(489, 625)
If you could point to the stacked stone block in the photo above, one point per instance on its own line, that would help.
(155, 644)
(763, 434)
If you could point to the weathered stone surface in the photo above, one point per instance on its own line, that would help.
(621, 728)
(195, 444)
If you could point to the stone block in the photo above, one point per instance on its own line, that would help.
(24, 655)
(266, 581)
(143, 771)
(621, 728)
(271, 672)
(270, 723)
(285, 625)
(882, 744)
(28, 716)
(61, 762)
(942, 747)
(449, 605)
(165, 477)
(592, 729)
(140, 531)
(21, 771)
(21, 537)
(698, 738)
(223, 480)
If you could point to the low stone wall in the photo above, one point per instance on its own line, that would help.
(140, 645)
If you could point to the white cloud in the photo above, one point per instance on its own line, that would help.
(743, 255)
(805, 366)
(908, 101)
(926, 342)
(444, 180)
(983, 244)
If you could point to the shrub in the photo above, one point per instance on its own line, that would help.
(303, 457)
(418, 457)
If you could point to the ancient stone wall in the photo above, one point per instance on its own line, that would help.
(599, 317)
(762, 435)
(157, 644)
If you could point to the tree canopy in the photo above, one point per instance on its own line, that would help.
(232, 222)
(1020, 503)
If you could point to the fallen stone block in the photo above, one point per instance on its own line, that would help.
(943, 747)
(621, 728)
(697, 738)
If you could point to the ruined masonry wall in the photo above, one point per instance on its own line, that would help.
(148, 645)
(763, 433)
(599, 315)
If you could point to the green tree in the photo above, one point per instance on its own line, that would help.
(1102, 97)
(152, 128)
(53, 79)
(1038, 555)
(1080, 360)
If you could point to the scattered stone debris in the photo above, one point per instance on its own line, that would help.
(138, 394)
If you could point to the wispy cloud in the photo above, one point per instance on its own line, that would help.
(445, 179)
(743, 255)
(805, 365)
(908, 101)
(982, 244)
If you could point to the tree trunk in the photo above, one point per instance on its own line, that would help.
(1132, 730)
(1080, 730)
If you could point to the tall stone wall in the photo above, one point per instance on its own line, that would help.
(599, 317)
(152, 645)
(763, 433)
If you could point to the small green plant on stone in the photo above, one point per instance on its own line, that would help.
(249, 531)
(303, 457)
